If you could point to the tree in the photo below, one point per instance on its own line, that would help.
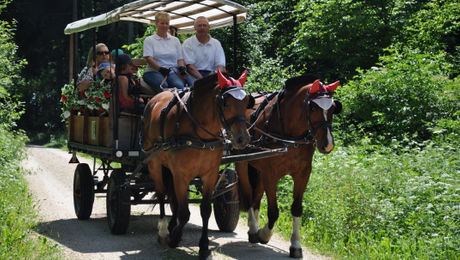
(336, 37)
(10, 68)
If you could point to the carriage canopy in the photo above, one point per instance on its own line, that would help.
(220, 13)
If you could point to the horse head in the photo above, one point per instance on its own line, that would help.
(232, 102)
(320, 108)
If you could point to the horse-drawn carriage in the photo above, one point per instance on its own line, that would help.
(178, 142)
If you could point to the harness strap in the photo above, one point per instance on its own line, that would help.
(275, 139)
(165, 111)
(193, 119)
(256, 114)
(181, 142)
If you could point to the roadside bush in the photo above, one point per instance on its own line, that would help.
(404, 98)
(17, 216)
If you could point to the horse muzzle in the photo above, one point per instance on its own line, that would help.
(239, 135)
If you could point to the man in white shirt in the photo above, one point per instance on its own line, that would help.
(202, 53)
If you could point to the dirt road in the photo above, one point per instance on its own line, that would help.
(50, 180)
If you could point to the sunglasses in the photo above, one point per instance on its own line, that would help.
(102, 53)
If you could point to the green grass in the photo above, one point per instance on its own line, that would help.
(371, 202)
(17, 216)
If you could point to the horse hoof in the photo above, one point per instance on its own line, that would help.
(205, 255)
(173, 243)
(295, 252)
(253, 238)
(262, 240)
(163, 241)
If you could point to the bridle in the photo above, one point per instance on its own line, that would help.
(220, 104)
(315, 126)
(308, 138)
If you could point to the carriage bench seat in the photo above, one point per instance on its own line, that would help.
(144, 87)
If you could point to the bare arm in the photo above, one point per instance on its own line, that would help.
(123, 84)
(191, 69)
(152, 62)
(84, 85)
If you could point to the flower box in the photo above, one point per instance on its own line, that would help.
(91, 130)
(76, 128)
(97, 131)
(105, 133)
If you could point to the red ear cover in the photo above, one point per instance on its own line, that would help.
(223, 82)
(315, 87)
(242, 78)
(332, 87)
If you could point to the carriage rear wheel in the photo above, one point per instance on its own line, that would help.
(118, 203)
(226, 206)
(83, 191)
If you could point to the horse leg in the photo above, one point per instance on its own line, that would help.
(244, 184)
(266, 232)
(300, 182)
(253, 223)
(205, 210)
(156, 174)
(257, 188)
(168, 180)
(183, 214)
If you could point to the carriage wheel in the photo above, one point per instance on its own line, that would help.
(226, 206)
(83, 191)
(118, 203)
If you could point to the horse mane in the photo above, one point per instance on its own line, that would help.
(295, 83)
(205, 84)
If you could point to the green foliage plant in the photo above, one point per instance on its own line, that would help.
(17, 216)
(367, 202)
(10, 67)
(335, 37)
(403, 98)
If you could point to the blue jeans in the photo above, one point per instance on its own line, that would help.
(190, 79)
(154, 79)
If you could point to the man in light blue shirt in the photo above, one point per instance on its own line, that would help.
(202, 53)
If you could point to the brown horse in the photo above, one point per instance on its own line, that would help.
(297, 117)
(184, 135)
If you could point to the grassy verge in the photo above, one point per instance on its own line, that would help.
(17, 214)
(371, 202)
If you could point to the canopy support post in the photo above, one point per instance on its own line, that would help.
(235, 38)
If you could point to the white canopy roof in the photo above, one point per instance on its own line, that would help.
(183, 13)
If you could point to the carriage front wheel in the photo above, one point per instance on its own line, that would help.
(226, 206)
(83, 191)
(118, 203)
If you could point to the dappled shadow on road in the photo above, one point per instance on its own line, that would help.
(140, 242)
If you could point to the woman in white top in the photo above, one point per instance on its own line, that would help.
(163, 53)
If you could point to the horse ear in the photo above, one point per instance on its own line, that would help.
(223, 82)
(242, 78)
(315, 87)
(332, 87)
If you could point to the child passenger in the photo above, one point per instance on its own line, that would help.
(126, 84)
(106, 71)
